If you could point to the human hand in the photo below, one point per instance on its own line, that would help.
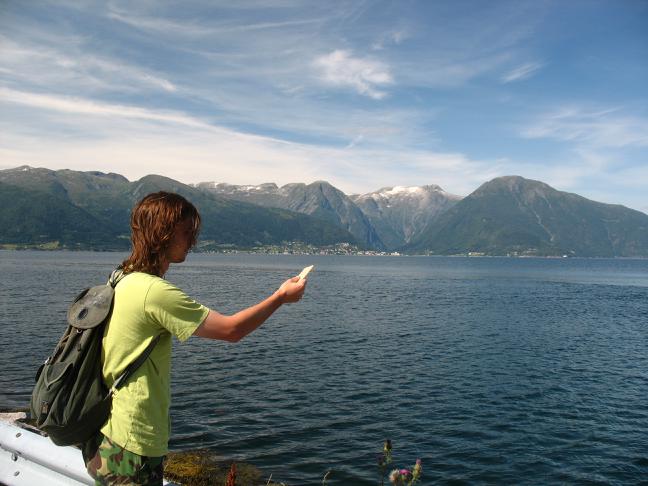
(292, 290)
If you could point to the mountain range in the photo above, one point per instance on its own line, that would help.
(319, 199)
(91, 210)
(505, 216)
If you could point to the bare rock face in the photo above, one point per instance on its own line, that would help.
(319, 199)
(399, 214)
(386, 219)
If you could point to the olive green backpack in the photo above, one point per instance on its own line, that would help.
(70, 401)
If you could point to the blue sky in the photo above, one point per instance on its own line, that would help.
(364, 94)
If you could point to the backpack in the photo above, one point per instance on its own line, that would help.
(70, 401)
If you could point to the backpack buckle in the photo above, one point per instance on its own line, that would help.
(44, 411)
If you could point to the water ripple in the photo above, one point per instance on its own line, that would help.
(493, 371)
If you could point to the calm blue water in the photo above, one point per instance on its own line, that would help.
(491, 370)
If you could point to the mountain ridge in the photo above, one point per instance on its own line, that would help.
(225, 222)
(514, 215)
(400, 213)
(319, 199)
(508, 215)
(369, 217)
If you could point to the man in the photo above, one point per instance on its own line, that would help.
(132, 444)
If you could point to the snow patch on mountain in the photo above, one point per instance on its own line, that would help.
(319, 199)
(389, 217)
(400, 213)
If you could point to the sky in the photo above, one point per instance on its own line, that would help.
(362, 94)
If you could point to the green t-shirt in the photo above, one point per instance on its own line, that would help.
(145, 306)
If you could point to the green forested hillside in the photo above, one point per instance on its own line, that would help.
(513, 215)
(92, 210)
(32, 217)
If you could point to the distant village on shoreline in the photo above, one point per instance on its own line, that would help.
(302, 249)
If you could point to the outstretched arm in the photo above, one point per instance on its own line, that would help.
(235, 327)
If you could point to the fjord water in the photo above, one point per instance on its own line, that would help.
(491, 370)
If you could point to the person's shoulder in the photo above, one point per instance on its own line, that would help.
(139, 278)
(141, 282)
(158, 287)
(162, 294)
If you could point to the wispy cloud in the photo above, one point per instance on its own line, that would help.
(597, 128)
(450, 70)
(522, 72)
(393, 37)
(193, 28)
(92, 108)
(366, 76)
(46, 65)
(96, 136)
(355, 141)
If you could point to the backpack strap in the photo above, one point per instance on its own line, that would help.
(131, 368)
(115, 276)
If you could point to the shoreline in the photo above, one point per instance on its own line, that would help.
(360, 253)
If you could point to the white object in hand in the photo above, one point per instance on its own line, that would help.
(306, 271)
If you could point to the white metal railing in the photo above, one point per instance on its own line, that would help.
(29, 459)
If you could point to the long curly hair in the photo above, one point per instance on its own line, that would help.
(153, 222)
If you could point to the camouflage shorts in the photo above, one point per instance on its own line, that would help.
(112, 464)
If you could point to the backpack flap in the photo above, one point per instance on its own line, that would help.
(55, 372)
(91, 307)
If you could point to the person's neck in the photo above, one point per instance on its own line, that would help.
(164, 266)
